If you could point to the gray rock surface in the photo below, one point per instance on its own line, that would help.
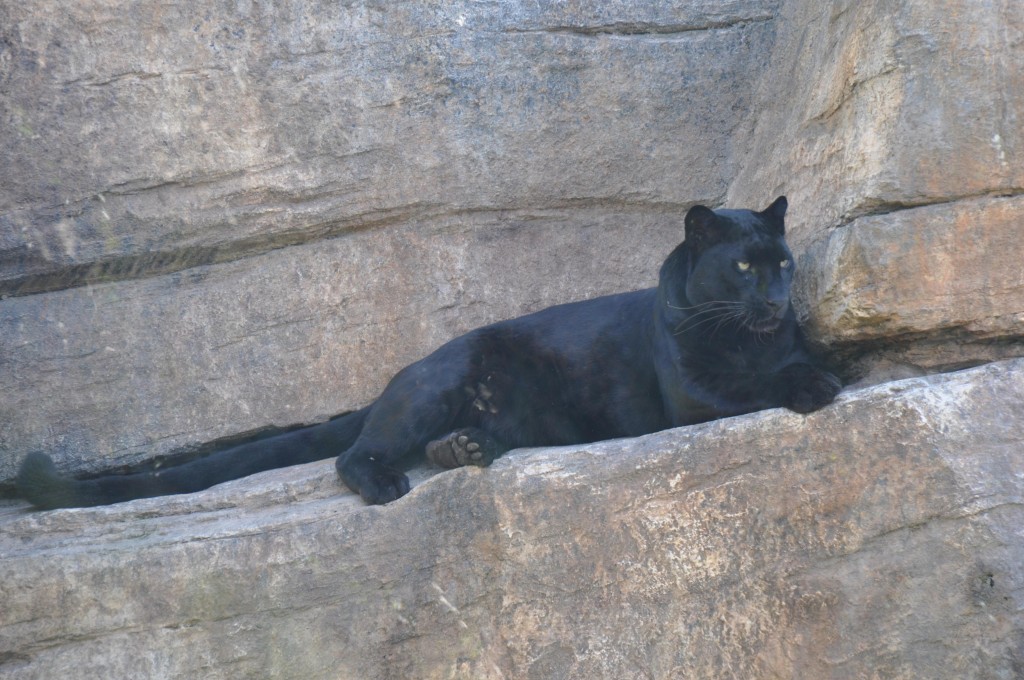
(238, 215)
(879, 537)
(929, 288)
(161, 138)
(894, 129)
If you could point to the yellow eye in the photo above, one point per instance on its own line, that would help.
(743, 266)
(784, 264)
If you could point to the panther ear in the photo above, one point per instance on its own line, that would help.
(776, 212)
(701, 228)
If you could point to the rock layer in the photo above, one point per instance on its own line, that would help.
(157, 139)
(894, 128)
(931, 288)
(878, 537)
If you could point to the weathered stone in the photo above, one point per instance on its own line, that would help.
(880, 537)
(938, 285)
(871, 106)
(430, 168)
(160, 138)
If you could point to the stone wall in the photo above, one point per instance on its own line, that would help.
(216, 217)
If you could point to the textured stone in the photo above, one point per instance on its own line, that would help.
(964, 272)
(938, 285)
(880, 537)
(164, 137)
(868, 107)
(866, 110)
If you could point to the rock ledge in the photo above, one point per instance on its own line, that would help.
(882, 536)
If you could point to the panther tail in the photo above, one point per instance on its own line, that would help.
(39, 482)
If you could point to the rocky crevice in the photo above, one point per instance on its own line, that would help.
(645, 29)
(879, 207)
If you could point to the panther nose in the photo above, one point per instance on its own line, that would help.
(775, 306)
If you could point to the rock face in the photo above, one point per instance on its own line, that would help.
(245, 215)
(879, 537)
(162, 138)
(249, 214)
(872, 107)
(964, 301)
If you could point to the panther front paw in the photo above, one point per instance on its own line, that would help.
(808, 388)
(376, 482)
(468, 446)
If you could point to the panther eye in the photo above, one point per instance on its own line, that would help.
(743, 266)
(784, 264)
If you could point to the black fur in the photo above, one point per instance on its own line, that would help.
(716, 338)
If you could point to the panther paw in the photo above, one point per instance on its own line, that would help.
(468, 446)
(376, 482)
(811, 390)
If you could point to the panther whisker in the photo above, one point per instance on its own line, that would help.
(722, 317)
(704, 304)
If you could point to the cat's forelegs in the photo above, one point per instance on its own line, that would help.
(805, 388)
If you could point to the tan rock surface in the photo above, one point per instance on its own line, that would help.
(869, 107)
(161, 138)
(901, 119)
(933, 287)
(917, 271)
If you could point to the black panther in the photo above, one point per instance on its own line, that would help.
(717, 337)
